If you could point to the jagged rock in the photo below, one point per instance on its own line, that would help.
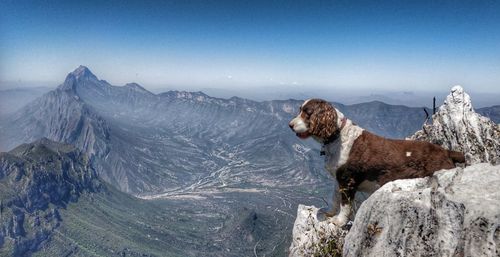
(453, 213)
(456, 126)
(315, 237)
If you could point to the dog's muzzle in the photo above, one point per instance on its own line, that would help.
(299, 127)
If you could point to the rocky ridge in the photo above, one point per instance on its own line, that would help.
(456, 126)
(36, 180)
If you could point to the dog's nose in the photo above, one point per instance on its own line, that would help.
(290, 125)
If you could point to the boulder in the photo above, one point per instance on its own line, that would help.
(453, 213)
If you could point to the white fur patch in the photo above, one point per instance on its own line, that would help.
(298, 125)
(337, 153)
(408, 154)
(343, 217)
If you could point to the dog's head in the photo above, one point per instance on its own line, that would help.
(316, 118)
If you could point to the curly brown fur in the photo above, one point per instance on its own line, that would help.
(322, 121)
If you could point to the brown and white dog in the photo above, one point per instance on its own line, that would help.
(362, 161)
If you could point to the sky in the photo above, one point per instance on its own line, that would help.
(347, 45)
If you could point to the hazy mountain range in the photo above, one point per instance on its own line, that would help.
(222, 176)
(229, 171)
(12, 100)
(417, 98)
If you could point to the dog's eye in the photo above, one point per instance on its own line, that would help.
(308, 111)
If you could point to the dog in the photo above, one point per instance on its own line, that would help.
(362, 161)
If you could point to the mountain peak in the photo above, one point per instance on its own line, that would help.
(456, 126)
(136, 87)
(458, 101)
(82, 72)
(457, 106)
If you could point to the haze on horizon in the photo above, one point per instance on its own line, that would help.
(345, 45)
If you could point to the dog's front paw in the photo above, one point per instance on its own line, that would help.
(339, 220)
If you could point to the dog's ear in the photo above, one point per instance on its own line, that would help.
(323, 121)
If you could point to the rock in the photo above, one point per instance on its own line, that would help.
(454, 213)
(456, 126)
(315, 237)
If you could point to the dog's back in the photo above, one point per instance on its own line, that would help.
(384, 160)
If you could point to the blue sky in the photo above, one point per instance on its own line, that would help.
(394, 45)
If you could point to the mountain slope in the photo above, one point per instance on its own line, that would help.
(53, 204)
(36, 181)
(492, 112)
(61, 116)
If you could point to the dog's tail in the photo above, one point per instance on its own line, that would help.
(456, 157)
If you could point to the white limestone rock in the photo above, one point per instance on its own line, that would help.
(315, 237)
(456, 126)
(454, 213)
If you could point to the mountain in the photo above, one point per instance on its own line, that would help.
(392, 121)
(492, 112)
(178, 142)
(456, 126)
(181, 141)
(230, 166)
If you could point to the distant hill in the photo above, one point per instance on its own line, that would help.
(392, 121)
(12, 100)
(492, 112)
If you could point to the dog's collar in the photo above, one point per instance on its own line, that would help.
(334, 136)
